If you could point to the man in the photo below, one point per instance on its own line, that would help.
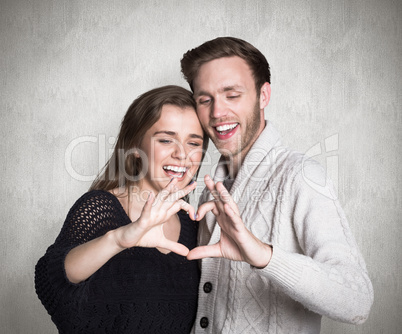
(277, 253)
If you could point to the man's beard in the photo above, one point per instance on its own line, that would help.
(246, 139)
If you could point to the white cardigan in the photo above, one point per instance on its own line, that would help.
(316, 268)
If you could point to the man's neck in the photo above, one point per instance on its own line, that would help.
(233, 164)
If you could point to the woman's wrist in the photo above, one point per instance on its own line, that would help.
(114, 240)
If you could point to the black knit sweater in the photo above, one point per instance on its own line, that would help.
(140, 290)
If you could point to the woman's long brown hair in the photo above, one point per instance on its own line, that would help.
(124, 168)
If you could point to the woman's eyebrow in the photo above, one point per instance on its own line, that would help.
(169, 133)
(193, 135)
(172, 133)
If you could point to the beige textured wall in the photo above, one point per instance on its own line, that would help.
(69, 69)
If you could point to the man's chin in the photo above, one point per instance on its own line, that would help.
(227, 151)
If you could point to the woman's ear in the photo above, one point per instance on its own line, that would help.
(136, 153)
(265, 95)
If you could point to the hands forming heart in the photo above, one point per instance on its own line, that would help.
(236, 242)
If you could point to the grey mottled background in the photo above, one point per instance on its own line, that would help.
(69, 69)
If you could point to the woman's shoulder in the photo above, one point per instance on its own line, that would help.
(96, 201)
(92, 197)
(97, 210)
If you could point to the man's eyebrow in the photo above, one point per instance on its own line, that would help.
(200, 93)
(221, 90)
(230, 88)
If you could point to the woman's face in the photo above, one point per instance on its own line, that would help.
(172, 147)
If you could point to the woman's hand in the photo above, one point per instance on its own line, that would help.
(147, 230)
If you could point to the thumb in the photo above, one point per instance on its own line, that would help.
(146, 209)
(201, 252)
(175, 247)
(204, 208)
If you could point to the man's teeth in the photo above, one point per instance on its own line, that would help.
(226, 127)
(175, 169)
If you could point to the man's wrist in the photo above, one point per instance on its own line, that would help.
(268, 253)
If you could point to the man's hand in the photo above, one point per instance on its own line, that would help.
(237, 242)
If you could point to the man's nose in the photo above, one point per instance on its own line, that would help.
(219, 109)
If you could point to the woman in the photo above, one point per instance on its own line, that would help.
(118, 264)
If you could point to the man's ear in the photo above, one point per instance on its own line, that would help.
(265, 95)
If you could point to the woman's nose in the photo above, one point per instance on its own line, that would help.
(179, 151)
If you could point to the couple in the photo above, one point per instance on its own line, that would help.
(276, 253)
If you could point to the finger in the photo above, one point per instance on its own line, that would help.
(202, 252)
(223, 192)
(212, 189)
(173, 181)
(226, 197)
(148, 204)
(165, 192)
(188, 208)
(206, 207)
(237, 222)
(175, 247)
(174, 196)
(182, 205)
(210, 184)
(146, 210)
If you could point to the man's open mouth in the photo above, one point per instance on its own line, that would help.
(226, 131)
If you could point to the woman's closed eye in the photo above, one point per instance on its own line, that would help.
(165, 141)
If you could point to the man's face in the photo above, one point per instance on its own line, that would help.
(227, 105)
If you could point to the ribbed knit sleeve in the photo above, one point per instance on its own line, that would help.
(286, 201)
(91, 216)
(330, 278)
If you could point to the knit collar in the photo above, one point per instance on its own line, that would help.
(268, 138)
(258, 153)
(253, 170)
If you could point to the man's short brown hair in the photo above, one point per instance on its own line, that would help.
(226, 47)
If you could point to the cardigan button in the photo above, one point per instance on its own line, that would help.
(207, 287)
(204, 322)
